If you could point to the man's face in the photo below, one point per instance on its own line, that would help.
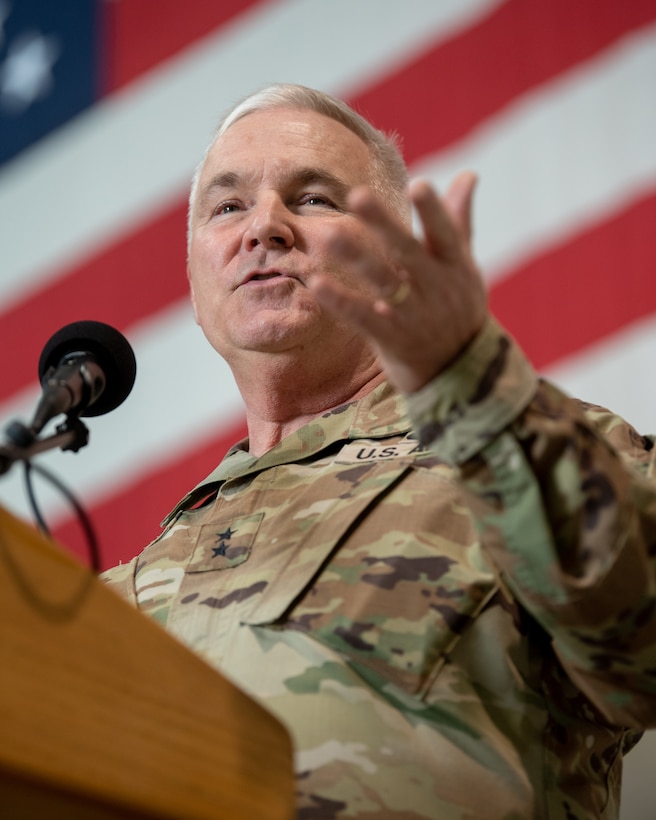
(273, 188)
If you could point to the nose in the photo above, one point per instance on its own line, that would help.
(269, 225)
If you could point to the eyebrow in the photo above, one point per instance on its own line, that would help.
(298, 177)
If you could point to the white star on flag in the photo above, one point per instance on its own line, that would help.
(26, 74)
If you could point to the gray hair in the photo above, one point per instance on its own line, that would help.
(390, 174)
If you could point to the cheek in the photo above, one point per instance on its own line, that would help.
(206, 301)
(205, 268)
(206, 296)
(210, 250)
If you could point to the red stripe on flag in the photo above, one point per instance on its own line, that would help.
(139, 35)
(577, 293)
(128, 520)
(142, 273)
(445, 92)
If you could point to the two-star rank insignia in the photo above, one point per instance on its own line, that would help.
(223, 539)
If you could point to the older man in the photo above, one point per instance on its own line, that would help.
(437, 570)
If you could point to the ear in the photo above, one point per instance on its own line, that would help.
(192, 294)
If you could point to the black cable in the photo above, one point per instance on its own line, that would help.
(85, 521)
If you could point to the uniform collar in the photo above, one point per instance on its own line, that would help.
(378, 415)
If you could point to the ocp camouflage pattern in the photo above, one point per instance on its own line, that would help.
(447, 600)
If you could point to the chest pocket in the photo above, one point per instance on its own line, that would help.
(389, 586)
(223, 544)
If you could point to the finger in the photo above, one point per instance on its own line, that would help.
(353, 306)
(375, 274)
(408, 263)
(459, 201)
(391, 231)
(441, 236)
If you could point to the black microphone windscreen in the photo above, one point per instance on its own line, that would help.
(111, 350)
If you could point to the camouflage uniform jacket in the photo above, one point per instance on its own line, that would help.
(453, 617)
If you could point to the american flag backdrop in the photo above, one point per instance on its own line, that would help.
(106, 107)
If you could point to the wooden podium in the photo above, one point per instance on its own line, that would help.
(104, 715)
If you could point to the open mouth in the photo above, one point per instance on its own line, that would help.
(262, 277)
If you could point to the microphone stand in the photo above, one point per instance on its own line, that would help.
(23, 444)
(72, 434)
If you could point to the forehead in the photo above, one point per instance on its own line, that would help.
(266, 142)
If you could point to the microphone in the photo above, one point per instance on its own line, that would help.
(86, 369)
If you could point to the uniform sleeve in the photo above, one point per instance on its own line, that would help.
(121, 579)
(564, 497)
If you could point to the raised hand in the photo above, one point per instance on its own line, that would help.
(432, 300)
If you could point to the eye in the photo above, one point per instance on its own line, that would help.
(226, 208)
(317, 199)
